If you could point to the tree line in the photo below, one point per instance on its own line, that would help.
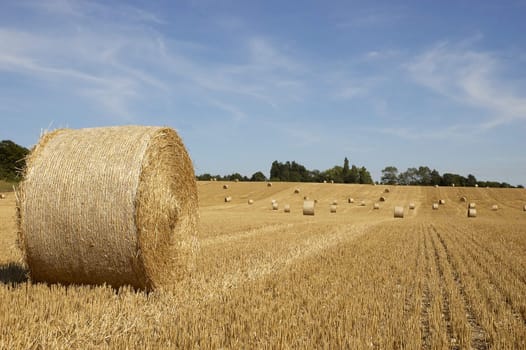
(424, 176)
(12, 160)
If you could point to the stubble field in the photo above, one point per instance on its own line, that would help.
(357, 278)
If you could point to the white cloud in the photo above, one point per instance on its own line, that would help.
(472, 78)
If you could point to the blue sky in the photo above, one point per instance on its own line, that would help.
(436, 83)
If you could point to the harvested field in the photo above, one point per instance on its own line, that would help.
(357, 278)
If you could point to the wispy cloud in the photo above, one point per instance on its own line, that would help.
(473, 78)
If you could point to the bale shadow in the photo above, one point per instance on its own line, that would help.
(13, 273)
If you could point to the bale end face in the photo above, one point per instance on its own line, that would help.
(494, 207)
(472, 205)
(275, 206)
(376, 206)
(308, 207)
(399, 212)
(2, 196)
(435, 206)
(286, 209)
(228, 199)
(472, 213)
(442, 202)
(333, 208)
(411, 206)
(350, 200)
(250, 201)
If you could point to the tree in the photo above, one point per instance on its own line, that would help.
(346, 171)
(471, 181)
(12, 160)
(365, 176)
(390, 175)
(258, 176)
(354, 175)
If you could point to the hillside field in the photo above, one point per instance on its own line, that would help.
(263, 278)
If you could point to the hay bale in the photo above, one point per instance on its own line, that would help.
(308, 207)
(472, 205)
(269, 184)
(436, 186)
(399, 212)
(324, 181)
(332, 181)
(452, 185)
(494, 207)
(382, 199)
(2, 196)
(463, 199)
(286, 209)
(524, 208)
(350, 200)
(376, 206)
(411, 206)
(333, 208)
(124, 208)
(362, 203)
(296, 190)
(476, 185)
(228, 199)
(435, 206)
(335, 202)
(305, 198)
(442, 202)
(225, 187)
(386, 190)
(472, 213)
(274, 205)
(250, 201)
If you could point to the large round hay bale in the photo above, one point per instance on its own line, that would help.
(472, 213)
(411, 206)
(269, 184)
(382, 199)
(333, 208)
(335, 202)
(225, 187)
(476, 185)
(436, 186)
(435, 206)
(362, 203)
(463, 199)
(472, 205)
(250, 201)
(399, 212)
(308, 207)
(350, 200)
(332, 181)
(123, 209)
(324, 181)
(228, 199)
(275, 205)
(296, 190)
(494, 207)
(386, 190)
(376, 206)
(442, 202)
(2, 196)
(524, 208)
(286, 208)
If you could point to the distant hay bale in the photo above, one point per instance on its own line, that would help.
(399, 212)
(376, 206)
(333, 208)
(524, 208)
(305, 198)
(236, 180)
(442, 202)
(250, 201)
(494, 207)
(2, 196)
(120, 207)
(308, 207)
(411, 206)
(228, 199)
(472, 205)
(286, 208)
(476, 185)
(225, 187)
(350, 200)
(335, 202)
(435, 206)
(382, 199)
(269, 184)
(436, 186)
(463, 199)
(324, 181)
(386, 190)
(274, 205)
(472, 213)
(362, 203)
(296, 190)
(452, 185)
(332, 181)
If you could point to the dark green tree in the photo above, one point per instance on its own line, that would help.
(12, 160)
(390, 175)
(258, 176)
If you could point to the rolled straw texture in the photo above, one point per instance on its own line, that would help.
(399, 212)
(472, 213)
(308, 208)
(115, 205)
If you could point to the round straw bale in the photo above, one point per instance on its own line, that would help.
(324, 181)
(494, 207)
(452, 185)
(435, 206)
(386, 190)
(228, 199)
(269, 184)
(524, 208)
(411, 206)
(350, 200)
(296, 190)
(333, 208)
(463, 199)
(250, 201)
(286, 209)
(442, 202)
(335, 202)
(274, 205)
(382, 199)
(472, 213)
(308, 207)
(476, 185)
(436, 186)
(2, 196)
(305, 198)
(332, 181)
(124, 208)
(399, 212)
(362, 203)
(472, 205)
(376, 206)
(225, 187)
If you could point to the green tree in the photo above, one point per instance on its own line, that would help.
(258, 176)
(390, 175)
(12, 160)
(346, 171)
(365, 176)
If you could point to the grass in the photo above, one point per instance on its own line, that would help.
(6, 186)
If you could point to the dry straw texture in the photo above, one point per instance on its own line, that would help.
(308, 207)
(269, 184)
(274, 205)
(335, 202)
(297, 190)
(472, 213)
(113, 205)
(386, 190)
(399, 212)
